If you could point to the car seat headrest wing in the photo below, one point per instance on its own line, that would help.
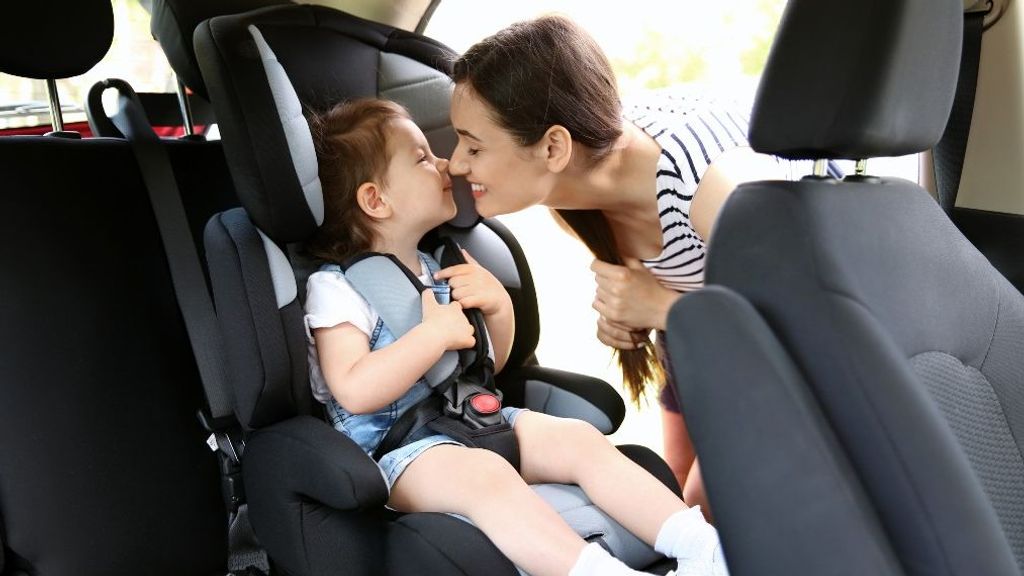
(50, 40)
(859, 79)
(174, 21)
(296, 130)
(256, 67)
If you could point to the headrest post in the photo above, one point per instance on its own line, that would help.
(821, 167)
(861, 168)
(56, 119)
(186, 108)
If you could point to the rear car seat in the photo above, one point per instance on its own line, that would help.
(103, 464)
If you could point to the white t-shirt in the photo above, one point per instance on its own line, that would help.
(332, 301)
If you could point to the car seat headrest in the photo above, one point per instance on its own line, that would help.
(258, 67)
(861, 79)
(55, 39)
(174, 21)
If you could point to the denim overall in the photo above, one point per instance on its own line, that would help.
(368, 430)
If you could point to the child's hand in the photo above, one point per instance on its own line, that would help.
(474, 287)
(448, 322)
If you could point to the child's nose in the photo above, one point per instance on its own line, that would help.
(443, 164)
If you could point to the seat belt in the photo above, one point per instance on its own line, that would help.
(197, 310)
(948, 154)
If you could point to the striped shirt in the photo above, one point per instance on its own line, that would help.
(692, 131)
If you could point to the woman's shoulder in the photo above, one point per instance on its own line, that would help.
(690, 116)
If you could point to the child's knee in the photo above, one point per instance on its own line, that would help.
(584, 433)
(485, 471)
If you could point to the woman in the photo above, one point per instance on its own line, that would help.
(540, 121)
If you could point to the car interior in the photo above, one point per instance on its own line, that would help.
(854, 380)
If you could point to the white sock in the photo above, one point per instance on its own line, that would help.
(596, 561)
(688, 538)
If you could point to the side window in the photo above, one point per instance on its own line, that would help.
(653, 44)
(134, 56)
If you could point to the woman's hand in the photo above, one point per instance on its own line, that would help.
(447, 322)
(474, 287)
(618, 336)
(629, 298)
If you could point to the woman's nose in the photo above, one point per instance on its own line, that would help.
(458, 166)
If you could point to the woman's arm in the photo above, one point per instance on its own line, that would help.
(730, 169)
(630, 297)
(364, 381)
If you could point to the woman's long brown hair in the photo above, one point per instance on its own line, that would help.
(641, 365)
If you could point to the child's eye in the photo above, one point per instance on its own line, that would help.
(422, 159)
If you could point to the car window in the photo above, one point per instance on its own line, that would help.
(134, 56)
(651, 44)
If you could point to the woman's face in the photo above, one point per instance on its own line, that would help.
(505, 177)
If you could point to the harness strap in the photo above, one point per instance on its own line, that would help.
(380, 278)
(450, 254)
(409, 423)
(465, 404)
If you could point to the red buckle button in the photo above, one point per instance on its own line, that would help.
(484, 403)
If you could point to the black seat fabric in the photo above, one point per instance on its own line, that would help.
(103, 466)
(275, 64)
(909, 342)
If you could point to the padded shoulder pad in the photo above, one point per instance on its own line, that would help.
(394, 292)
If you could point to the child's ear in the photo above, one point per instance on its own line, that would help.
(372, 201)
(556, 148)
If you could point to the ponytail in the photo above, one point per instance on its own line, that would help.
(639, 365)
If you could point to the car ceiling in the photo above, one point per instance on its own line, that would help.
(411, 15)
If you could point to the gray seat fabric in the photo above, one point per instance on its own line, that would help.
(877, 299)
(909, 343)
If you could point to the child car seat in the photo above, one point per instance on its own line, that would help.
(316, 501)
(897, 348)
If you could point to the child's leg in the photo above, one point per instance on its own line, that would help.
(483, 487)
(573, 452)
(569, 451)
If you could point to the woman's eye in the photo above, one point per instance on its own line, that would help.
(473, 151)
